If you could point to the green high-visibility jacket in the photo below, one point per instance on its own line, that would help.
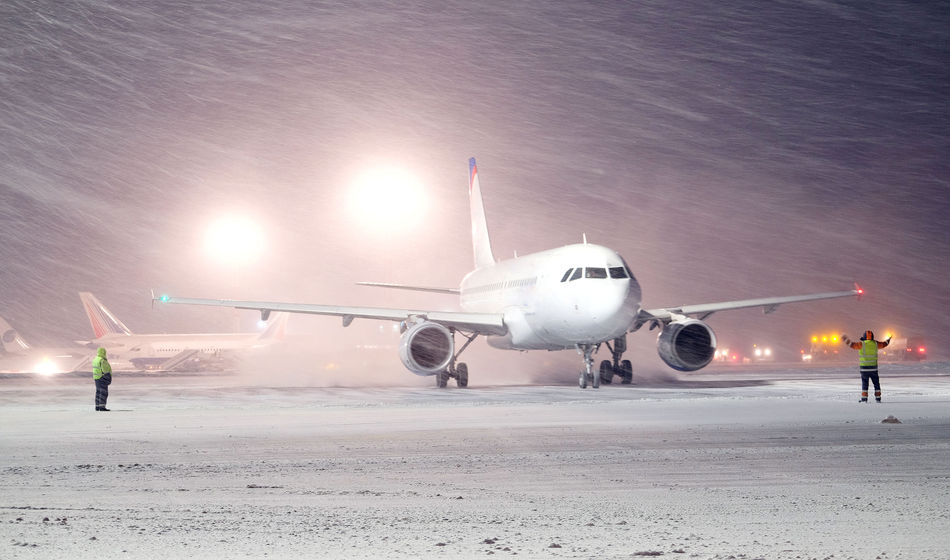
(100, 365)
(867, 355)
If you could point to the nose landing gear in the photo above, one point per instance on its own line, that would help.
(587, 350)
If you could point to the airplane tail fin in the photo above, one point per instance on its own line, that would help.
(276, 327)
(480, 239)
(13, 343)
(102, 320)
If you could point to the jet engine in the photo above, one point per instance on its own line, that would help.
(426, 348)
(686, 345)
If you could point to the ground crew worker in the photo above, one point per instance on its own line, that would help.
(867, 359)
(102, 374)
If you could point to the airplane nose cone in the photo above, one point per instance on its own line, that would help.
(612, 308)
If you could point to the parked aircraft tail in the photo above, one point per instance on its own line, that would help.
(276, 327)
(102, 320)
(481, 242)
(13, 343)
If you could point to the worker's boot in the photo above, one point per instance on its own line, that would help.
(877, 396)
(864, 396)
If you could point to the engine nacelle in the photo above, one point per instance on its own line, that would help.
(426, 348)
(686, 345)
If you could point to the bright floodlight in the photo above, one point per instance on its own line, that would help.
(385, 199)
(234, 240)
(46, 366)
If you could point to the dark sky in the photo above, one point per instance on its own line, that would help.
(728, 150)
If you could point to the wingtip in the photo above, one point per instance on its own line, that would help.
(858, 290)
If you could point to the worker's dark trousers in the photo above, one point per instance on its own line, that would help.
(102, 391)
(870, 374)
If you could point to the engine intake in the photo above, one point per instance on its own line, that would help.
(426, 348)
(686, 345)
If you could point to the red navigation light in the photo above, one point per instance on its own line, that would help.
(921, 350)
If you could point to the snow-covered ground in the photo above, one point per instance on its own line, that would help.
(727, 463)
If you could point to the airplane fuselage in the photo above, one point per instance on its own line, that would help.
(130, 347)
(556, 299)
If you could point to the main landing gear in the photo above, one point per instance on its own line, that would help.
(457, 371)
(620, 368)
(608, 368)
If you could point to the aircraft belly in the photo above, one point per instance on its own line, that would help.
(524, 343)
(523, 332)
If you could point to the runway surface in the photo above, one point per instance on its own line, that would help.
(733, 463)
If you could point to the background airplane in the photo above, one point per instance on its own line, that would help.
(18, 356)
(577, 297)
(165, 352)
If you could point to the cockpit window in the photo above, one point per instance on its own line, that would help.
(577, 274)
(566, 274)
(594, 272)
(618, 272)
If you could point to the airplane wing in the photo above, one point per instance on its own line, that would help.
(663, 315)
(481, 323)
(454, 291)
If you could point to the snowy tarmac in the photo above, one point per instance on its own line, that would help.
(727, 463)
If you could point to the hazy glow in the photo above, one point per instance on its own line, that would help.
(385, 199)
(46, 367)
(234, 240)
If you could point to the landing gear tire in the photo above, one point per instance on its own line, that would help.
(442, 379)
(587, 350)
(606, 372)
(626, 372)
(461, 375)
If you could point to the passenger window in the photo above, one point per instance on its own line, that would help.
(596, 273)
(618, 272)
(566, 274)
(577, 274)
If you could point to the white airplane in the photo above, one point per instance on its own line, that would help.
(575, 297)
(164, 352)
(18, 356)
